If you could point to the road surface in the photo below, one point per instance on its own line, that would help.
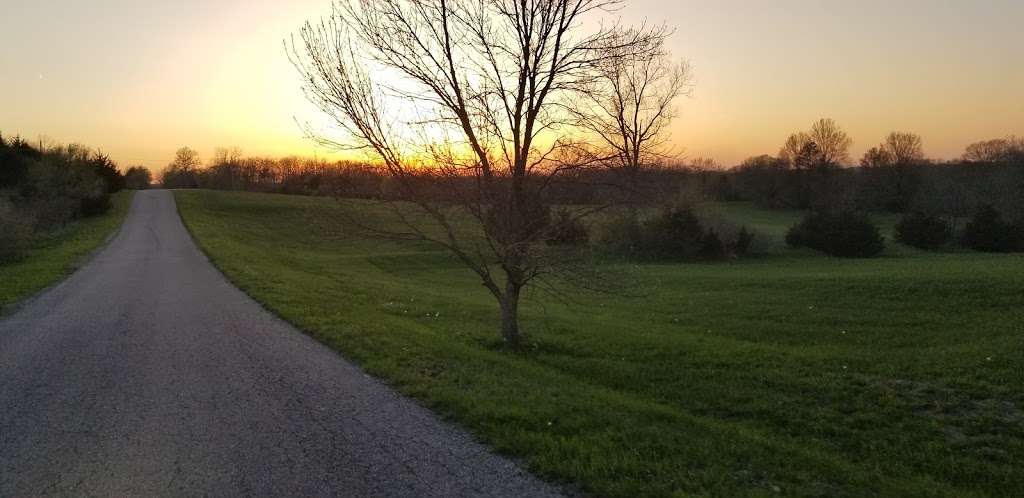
(147, 374)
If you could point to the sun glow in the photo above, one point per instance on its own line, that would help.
(164, 75)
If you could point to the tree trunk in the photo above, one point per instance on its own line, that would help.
(510, 316)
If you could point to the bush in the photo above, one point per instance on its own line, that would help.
(51, 211)
(989, 232)
(677, 232)
(744, 241)
(95, 205)
(673, 233)
(567, 230)
(846, 234)
(737, 240)
(15, 233)
(923, 231)
(711, 246)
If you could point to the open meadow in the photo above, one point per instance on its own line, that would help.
(790, 373)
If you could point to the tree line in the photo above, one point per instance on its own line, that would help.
(44, 187)
(894, 176)
(812, 171)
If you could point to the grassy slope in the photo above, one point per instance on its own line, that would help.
(791, 374)
(773, 224)
(58, 254)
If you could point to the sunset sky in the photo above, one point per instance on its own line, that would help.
(138, 78)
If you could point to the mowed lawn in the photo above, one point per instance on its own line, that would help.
(790, 374)
(58, 253)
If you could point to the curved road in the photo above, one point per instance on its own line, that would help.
(147, 374)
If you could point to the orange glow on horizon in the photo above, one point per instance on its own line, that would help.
(140, 79)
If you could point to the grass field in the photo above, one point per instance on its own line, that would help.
(58, 253)
(790, 374)
(772, 225)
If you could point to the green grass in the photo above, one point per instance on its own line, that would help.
(57, 254)
(791, 374)
(773, 224)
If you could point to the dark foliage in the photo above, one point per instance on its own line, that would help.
(676, 233)
(923, 231)
(138, 178)
(106, 170)
(15, 232)
(845, 234)
(952, 190)
(179, 178)
(711, 246)
(42, 189)
(15, 157)
(744, 241)
(988, 231)
(94, 205)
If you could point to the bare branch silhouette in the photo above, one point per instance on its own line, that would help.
(463, 105)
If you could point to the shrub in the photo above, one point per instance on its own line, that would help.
(15, 233)
(95, 205)
(989, 232)
(744, 241)
(737, 240)
(711, 246)
(845, 234)
(923, 231)
(51, 211)
(677, 232)
(567, 230)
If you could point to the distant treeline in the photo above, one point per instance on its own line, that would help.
(894, 177)
(44, 187)
(229, 170)
(975, 202)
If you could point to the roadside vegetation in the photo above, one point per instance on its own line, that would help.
(790, 373)
(58, 252)
(57, 204)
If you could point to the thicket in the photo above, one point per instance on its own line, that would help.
(44, 188)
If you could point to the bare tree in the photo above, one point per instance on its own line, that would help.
(832, 142)
(467, 112)
(904, 148)
(893, 168)
(630, 106)
(876, 157)
(704, 164)
(181, 172)
(793, 146)
(1009, 149)
(186, 159)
